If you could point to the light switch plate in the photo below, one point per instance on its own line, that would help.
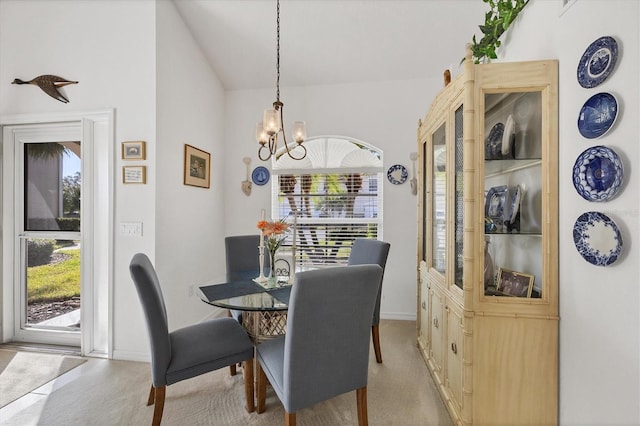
(131, 229)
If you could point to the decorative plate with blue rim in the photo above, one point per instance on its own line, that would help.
(597, 115)
(493, 144)
(496, 204)
(597, 62)
(597, 238)
(598, 174)
(397, 174)
(260, 175)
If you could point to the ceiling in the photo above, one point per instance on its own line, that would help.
(331, 41)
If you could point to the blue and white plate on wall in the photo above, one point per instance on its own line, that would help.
(260, 175)
(597, 115)
(597, 62)
(598, 174)
(597, 238)
(397, 174)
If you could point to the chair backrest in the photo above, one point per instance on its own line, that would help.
(243, 257)
(327, 340)
(148, 287)
(367, 251)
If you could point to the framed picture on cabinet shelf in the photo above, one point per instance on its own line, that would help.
(513, 283)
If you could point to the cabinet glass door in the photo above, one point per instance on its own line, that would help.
(513, 194)
(459, 200)
(439, 202)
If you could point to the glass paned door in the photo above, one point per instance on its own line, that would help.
(50, 238)
(439, 189)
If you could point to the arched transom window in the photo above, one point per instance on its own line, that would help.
(334, 195)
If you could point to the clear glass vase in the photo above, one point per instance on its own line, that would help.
(272, 279)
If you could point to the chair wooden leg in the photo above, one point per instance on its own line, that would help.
(159, 405)
(375, 335)
(232, 368)
(289, 419)
(247, 372)
(152, 396)
(262, 388)
(361, 401)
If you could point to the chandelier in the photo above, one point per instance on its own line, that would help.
(272, 123)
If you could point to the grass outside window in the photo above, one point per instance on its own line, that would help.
(55, 281)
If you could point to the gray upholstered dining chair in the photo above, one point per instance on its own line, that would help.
(325, 350)
(367, 251)
(242, 257)
(189, 351)
(243, 263)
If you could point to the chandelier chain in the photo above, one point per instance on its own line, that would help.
(268, 136)
(278, 52)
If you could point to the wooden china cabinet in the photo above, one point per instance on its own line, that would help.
(488, 243)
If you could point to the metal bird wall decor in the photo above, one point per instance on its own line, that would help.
(49, 84)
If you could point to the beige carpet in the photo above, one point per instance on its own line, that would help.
(400, 392)
(22, 372)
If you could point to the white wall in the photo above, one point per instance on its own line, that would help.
(189, 220)
(599, 307)
(384, 114)
(115, 68)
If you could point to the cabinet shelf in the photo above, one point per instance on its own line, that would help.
(514, 234)
(494, 168)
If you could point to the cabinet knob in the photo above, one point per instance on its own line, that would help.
(424, 305)
(435, 322)
(454, 348)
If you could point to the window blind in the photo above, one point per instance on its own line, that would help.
(326, 212)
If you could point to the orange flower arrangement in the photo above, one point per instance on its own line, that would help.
(273, 233)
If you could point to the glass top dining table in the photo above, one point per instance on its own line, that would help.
(246, 295)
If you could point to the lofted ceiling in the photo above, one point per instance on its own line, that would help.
(331, 41)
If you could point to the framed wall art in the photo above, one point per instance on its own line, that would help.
(197, 167)
(514, 283)
(134, 174)
(133, 150)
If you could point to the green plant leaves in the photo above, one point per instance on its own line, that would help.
(501, 15)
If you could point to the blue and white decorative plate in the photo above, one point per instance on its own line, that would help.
(597, 62)
(597, 238)
(260, 175)
(397, 174)
(495, 205)
(493, 144)
(597, 115)
(598, 174)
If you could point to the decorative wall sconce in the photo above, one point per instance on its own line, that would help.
(246, 184)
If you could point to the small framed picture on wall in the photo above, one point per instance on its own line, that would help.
(197, 167)
(133, 150)
(134, 174)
